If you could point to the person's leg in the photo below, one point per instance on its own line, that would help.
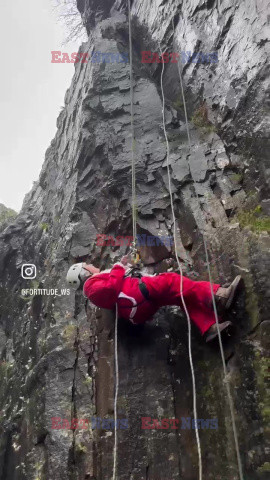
(165, 290)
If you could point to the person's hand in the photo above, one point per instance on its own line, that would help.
(125, 259)
(90, 268)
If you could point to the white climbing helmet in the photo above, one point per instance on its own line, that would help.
(77, 274)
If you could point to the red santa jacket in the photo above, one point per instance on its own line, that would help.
(106, 289)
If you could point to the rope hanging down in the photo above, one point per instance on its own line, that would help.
(134, 231)
(181, 283)
(240, 470)
(133, 172)
(116, 394)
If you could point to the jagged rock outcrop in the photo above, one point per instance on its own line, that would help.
(57, 358)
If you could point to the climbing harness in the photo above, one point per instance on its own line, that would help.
(181, 280)
(144, 291)
(240, 470)
(134, 272)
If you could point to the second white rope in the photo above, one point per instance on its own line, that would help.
(181, 285)
(240, 470)
(115, 393)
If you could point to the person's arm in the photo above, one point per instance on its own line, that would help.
(95, 271)
(103, 289)
(117, 274)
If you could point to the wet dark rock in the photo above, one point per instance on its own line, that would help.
(266, 206)
(265, 334)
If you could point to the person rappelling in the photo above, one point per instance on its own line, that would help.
(139, 297)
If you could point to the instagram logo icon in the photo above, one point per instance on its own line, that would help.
(28, 271)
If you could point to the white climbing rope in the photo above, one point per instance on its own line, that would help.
(181, 284)
(133, 172)
(231, 405)
(134, 231)
(115, 394)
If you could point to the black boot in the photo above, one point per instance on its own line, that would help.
(225, 296)
(212, 333)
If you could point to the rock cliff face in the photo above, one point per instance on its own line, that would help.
(57, 357)
(7, 215)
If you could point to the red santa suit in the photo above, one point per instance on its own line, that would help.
(108, 288)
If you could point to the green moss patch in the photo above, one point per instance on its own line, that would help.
(254, 220)
(200, 119)
(178, 104)
(237, 178)
(45, 227)
(265, 467)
